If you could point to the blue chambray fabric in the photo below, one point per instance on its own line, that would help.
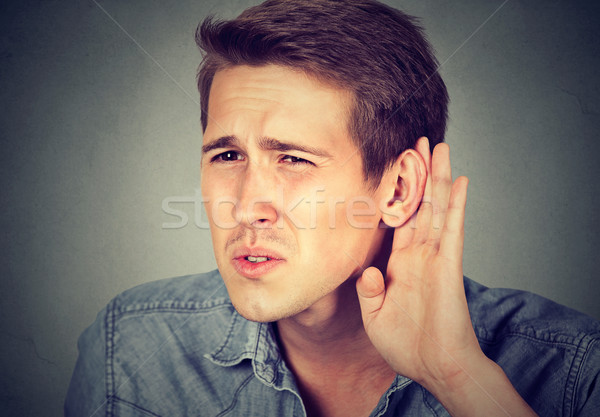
(177, 347)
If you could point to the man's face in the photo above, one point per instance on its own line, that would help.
(291, 217)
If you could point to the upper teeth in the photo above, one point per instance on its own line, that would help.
(257, 258)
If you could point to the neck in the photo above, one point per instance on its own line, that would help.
(330, 334)
(330, 354)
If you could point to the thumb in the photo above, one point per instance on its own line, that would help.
(371, 291)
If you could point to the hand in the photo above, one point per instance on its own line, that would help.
(418, 318)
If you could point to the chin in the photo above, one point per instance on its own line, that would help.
(256, 312)
(262, 312)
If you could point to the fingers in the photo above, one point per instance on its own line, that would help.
(453, 233)
(440, 199)
(442, 185)
(371, 292)
(432, 211)
(422, 220)
(403, 235)
(422, 146)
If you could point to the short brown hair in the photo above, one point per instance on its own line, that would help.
(377, 52)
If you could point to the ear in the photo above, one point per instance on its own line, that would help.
(403, 185)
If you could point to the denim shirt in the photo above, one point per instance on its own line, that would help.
(177, 347)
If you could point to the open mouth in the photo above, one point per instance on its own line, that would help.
(256, 262)
(257, 259)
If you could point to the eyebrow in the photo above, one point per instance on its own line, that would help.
(222, 142)
(266, 143)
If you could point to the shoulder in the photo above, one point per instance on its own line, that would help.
(191, 304)
(550, 353)
(188, 305)
(497, 312)
(198, 291)
(149, 339)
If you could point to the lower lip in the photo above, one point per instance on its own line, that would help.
(255, 269)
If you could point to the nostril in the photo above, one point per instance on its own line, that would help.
(261, 223)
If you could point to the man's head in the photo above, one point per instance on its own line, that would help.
(311, 111)
(375, 52)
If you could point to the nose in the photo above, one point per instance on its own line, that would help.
(256, 198)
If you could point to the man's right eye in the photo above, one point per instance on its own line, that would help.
(228, 156)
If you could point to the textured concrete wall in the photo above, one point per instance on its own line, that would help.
(100, 123)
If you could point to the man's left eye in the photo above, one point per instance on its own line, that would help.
(294, 160)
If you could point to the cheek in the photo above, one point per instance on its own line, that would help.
(348, 229)
(337, 227)
(352, 215)
(219, 202)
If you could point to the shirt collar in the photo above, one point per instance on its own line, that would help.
(256, 342)
(248, 340)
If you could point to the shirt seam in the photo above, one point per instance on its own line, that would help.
(277, 377)
(227, 362)
(134, 406)
(499, 339)
(235, 395)
(229, 333)
(260, 335)
(380, 410)
(171, 306)
(110, 325)
(427, 404)
(575, 374)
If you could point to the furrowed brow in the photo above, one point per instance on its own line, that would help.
(271, 144)
(222, 142)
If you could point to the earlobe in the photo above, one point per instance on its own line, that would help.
(405, 184)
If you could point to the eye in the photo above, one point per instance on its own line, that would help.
(229, 156)
(294, 160)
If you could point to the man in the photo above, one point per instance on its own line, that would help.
(318, 179)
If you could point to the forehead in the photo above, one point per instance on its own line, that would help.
(271, 99)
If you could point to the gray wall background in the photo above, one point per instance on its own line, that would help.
(99, 124)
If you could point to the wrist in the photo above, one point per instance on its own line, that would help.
(461, 376)
(471, 389)
(480, 388)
